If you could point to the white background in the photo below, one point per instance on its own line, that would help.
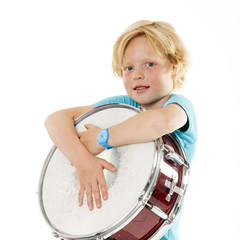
(57, 54)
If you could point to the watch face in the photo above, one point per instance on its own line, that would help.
(103, 136)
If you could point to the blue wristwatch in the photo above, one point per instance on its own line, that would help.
(103, 138)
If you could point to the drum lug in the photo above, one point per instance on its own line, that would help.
(173, 188)
(141, 108)
(99, 238)
(172, 156)
(157, 211)
(57, 236)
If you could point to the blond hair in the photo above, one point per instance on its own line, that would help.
(163, 39)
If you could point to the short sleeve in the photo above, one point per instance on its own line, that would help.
(187, 137)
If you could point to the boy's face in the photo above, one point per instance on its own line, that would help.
(147, 77)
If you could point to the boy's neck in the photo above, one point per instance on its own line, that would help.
(158, 104)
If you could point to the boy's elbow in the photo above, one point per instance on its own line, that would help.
(169, 119)
(48, 121)
(162, 126)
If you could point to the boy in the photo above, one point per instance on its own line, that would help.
(152, 60)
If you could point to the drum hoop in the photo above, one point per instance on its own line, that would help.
(40, 186)
(103, 107)
(140, 202)
(179, 202)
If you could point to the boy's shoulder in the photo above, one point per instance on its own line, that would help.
(187, 135)
(181, 100)
(177, 98)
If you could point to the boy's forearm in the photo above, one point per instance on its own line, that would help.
(147, 126)
(134, 130)
(62, 131)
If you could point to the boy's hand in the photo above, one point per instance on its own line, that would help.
(91, 178)
(89, 139)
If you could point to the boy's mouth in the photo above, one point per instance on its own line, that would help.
(140, 88)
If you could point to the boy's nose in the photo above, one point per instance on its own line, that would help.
(138, 75)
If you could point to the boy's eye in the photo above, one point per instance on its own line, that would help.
(129, 68)
(150, 64)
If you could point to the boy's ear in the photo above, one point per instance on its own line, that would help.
(174, 71)
(177, 71)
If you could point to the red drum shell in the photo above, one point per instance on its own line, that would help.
(146, 223)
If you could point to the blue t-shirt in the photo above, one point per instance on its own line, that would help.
(186, 136)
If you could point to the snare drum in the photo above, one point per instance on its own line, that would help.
(145, 194)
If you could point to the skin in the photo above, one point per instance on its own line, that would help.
(60, 126)
(148, 79)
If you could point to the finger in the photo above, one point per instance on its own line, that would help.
(89, 197)
(97, 197)
(107, 165)
(81, 196)
(79, 134)
(87, 126)
(103, 187)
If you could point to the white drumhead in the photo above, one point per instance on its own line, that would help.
(60, 185)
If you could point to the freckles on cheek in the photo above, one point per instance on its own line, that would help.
(125, 81)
